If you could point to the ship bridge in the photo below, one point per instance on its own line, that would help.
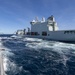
(44, 25)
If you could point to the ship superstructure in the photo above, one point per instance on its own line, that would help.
(48, 29)
(44, 26)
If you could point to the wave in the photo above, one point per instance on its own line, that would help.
(36, 56)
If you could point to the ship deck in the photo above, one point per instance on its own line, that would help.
(2, 72)
(1, 65)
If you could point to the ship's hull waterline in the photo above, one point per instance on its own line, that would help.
(65, 36)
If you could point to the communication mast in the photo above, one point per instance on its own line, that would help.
(36, 19)
(43, 19)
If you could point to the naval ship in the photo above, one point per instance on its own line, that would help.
(48, 29)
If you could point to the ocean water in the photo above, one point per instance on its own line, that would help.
(31, 56)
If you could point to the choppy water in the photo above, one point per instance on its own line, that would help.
(38, 57)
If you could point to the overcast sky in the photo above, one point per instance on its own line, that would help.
(17, 14)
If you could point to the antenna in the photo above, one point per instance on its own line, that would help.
(36, 19)
(43, 19)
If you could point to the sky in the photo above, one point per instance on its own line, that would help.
(17, 14)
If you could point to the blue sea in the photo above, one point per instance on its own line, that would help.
(30, 56)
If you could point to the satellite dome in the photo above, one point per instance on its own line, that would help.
(51, 18)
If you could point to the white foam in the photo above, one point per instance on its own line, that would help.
(5, 64)
(65, 58)
(56, 46)
(32, 39)
(6, 60)
(5, 53)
